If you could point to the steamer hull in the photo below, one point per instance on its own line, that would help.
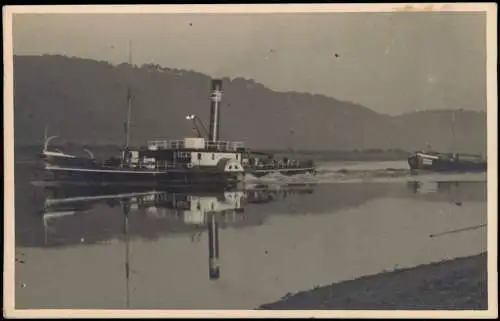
(138, 177)
(282, 171)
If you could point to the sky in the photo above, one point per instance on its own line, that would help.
(392, 63)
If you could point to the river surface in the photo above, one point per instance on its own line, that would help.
(237, 249)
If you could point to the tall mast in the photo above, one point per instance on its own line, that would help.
(129, 98)
(45, 137)
(453, 131)
(292, 145)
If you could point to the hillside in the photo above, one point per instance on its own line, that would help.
(83, 100)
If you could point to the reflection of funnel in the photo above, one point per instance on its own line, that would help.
(213, 247)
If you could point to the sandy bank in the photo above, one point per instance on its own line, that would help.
(458, 284)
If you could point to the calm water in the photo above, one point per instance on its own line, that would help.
(114, 249)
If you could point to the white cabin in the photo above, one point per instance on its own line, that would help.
(194, 152)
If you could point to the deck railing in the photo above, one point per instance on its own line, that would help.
(280, 165)
(259, 167)
(179, 144)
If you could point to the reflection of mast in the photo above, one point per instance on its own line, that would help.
(213, 246)
(126, 210)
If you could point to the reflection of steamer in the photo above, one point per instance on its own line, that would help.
(175, 211)
(188, 202)
(196, 210)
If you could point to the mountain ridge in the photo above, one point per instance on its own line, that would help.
(83, 100)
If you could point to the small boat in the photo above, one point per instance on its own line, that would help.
(163, 162)
(447, 162)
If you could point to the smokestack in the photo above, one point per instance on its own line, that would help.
(215, 99)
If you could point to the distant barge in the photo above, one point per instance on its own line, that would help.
(447, 162)
(192, 160)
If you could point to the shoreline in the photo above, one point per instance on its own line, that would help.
(457, 284)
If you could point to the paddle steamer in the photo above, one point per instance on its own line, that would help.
(205, 159)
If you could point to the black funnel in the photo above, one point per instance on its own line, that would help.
(215, 99)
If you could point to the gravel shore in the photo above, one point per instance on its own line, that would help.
(458, 284)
